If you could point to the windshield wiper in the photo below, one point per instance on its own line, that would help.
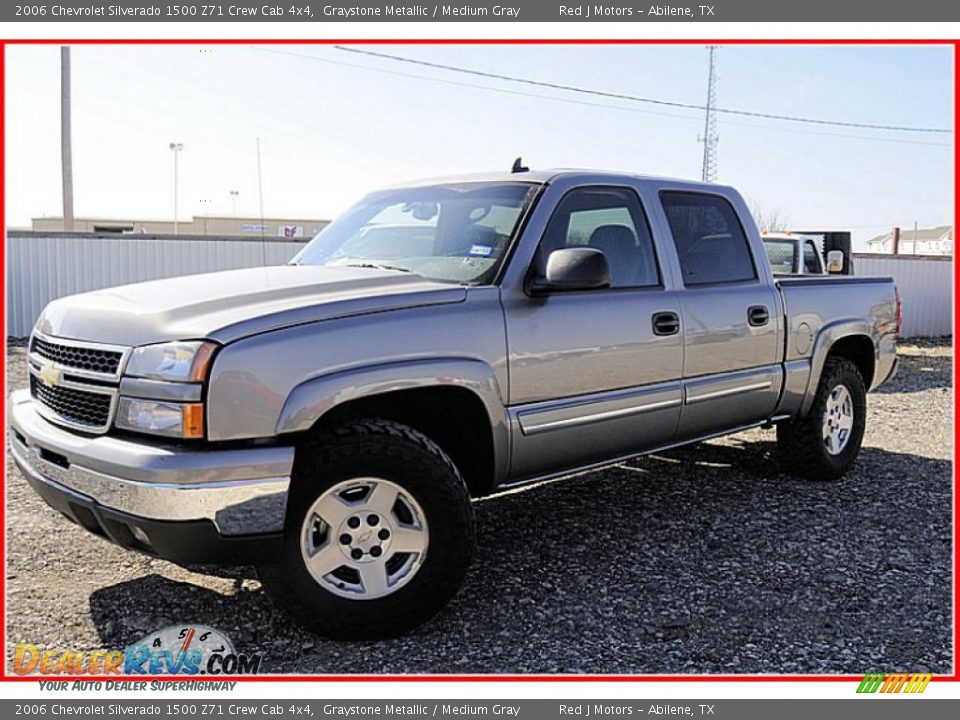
(379, 266)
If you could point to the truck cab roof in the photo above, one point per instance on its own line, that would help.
(541, 177)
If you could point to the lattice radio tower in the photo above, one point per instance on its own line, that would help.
(710, 138)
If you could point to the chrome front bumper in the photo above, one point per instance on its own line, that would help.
(241, 491)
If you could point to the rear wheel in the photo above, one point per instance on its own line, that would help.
(825, 444)
(379, 532)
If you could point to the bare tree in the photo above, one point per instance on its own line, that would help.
(769, 220)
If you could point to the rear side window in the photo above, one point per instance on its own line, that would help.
(811, 259)
(710, 241)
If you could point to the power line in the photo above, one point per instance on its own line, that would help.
(588, 103)
(636, 98)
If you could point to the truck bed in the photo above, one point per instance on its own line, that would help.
(866, 305)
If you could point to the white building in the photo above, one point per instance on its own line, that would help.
(924, 241)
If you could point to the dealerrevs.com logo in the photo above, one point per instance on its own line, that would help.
(188, 650)
(894, 682)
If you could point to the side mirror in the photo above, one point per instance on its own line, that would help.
(578, 268)
(835, 261)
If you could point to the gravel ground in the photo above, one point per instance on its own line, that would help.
(701, 560)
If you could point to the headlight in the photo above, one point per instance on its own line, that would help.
(180, 420)
(176, 361)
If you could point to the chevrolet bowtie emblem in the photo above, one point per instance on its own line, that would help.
(50, 375)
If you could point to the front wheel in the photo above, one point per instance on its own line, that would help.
(379, 534)
(824, 444)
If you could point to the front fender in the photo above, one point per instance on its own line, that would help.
(311, 400)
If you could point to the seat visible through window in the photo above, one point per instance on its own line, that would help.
(619, 244)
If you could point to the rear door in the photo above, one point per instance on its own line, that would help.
(730, 315)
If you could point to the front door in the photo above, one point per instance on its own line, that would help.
(594, 374)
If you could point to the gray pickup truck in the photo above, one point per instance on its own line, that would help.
(329, 421)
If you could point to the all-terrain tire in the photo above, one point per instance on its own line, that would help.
(403, 456)
(800, 442)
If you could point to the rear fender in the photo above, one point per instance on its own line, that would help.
(826, 339)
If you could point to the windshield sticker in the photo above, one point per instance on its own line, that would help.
(481, 250)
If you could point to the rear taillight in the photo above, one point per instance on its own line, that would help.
(899, 311)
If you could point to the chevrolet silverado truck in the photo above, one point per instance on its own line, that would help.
(329, 421)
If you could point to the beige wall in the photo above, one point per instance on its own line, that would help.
(216, 225)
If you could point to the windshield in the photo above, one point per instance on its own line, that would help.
(780, 253)
(450, 233)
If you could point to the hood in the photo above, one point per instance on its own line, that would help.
(226, 306)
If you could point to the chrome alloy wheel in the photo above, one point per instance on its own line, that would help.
(837, 420)
(364, 538)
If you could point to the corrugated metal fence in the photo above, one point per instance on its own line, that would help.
(44, 266)
(926, 286)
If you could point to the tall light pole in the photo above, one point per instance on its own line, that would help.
(176, 148)
(206, 213)
(234, 194)
(263, 225)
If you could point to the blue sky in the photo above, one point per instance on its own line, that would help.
(333, 125)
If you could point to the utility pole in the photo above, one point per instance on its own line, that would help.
(914, 237)
(710, 138)
(176, 148)
(66, 145)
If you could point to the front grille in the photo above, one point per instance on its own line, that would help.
(79, 407)
(89, 359)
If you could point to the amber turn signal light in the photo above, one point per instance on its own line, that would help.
(193, 420)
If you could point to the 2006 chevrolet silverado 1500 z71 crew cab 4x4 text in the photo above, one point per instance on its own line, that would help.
(330, 420)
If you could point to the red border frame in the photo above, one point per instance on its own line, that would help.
(955, 677)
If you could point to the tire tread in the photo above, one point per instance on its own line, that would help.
(385, 439)
(800, 441)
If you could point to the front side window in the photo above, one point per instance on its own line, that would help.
(710, 241)
(450, 233)
(610, 220)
